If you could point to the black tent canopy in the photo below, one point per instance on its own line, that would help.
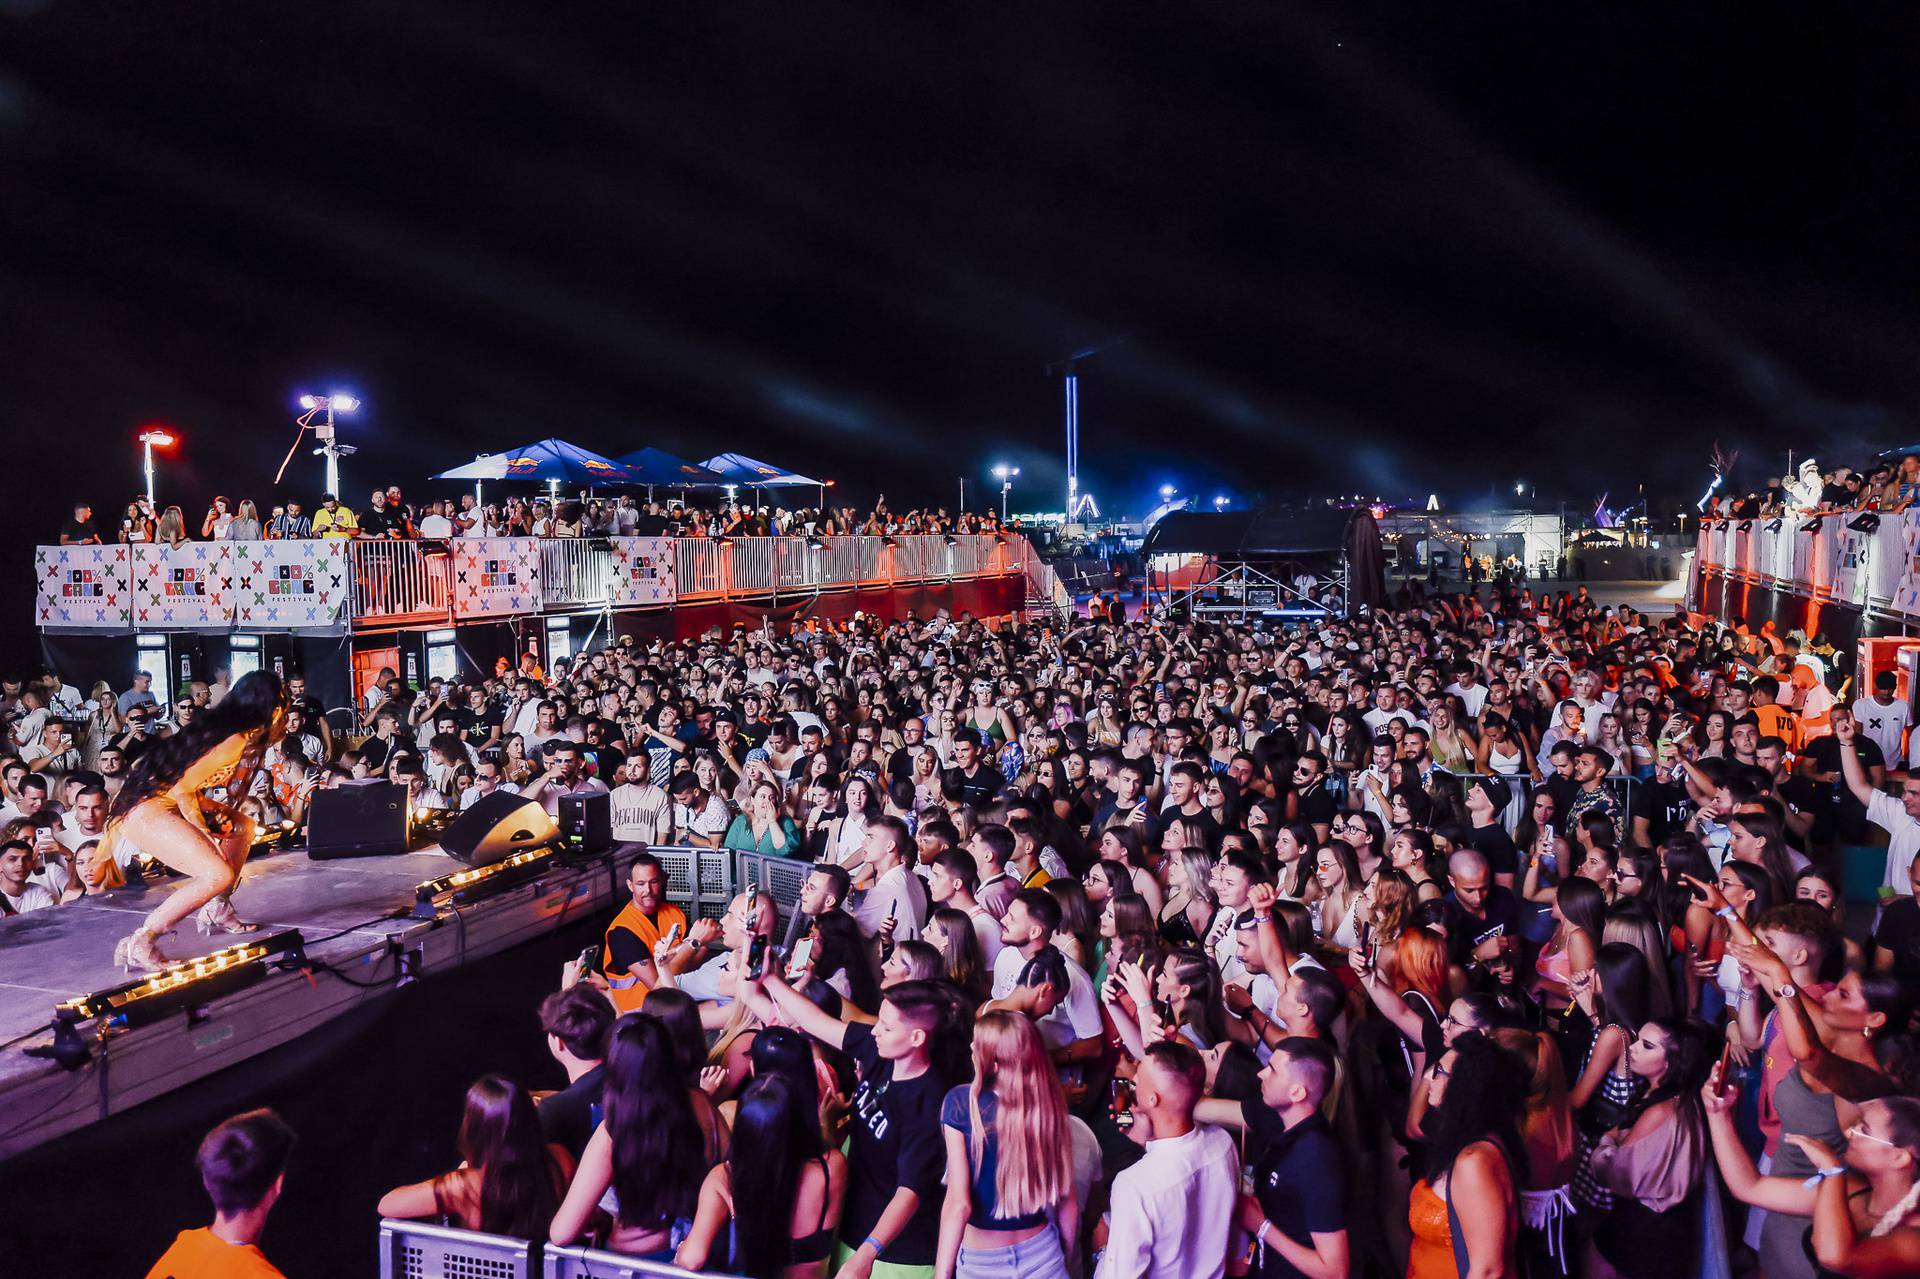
(1285, 563)
(1250, 535)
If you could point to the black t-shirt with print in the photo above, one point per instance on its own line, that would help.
(896, 1144)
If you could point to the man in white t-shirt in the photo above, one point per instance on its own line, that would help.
(1900, 818)
(1069, 1020)
(642, 812)
(1883, 718)
(1468, 688)
(18, 893)
(435, 522)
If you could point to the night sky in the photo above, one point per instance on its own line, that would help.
(1397, 247)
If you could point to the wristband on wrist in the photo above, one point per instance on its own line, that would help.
(879, 1249)
(1261, 1238)
(1821, 1174)
(1727, 912)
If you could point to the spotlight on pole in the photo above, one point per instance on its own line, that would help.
(151, 438)
(1005, 474)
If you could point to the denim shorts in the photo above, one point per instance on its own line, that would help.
(1037, 1258)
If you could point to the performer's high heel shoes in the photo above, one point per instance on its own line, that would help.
(219, 915)
(139, 949)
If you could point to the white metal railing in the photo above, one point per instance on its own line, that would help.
(398, 579)
(698, 571)
(575, 570)
(403, 582)
(1870, 568)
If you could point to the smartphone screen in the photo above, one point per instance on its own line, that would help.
(673, 936)
(801, 957)
(757, 955)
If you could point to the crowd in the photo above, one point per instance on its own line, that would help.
(1472, 937)
(387, 514)
(1883, 485)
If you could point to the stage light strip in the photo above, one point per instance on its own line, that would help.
(184, 983)
(481, 881)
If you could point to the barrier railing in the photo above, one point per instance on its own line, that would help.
(1871, 568)
(397, 580)
(699, 880)
(419, 1250)
(316, 585)
(575, 571)
(698, 569)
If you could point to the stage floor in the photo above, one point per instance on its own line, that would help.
(354, 916)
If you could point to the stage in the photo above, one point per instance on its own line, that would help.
(356, 918)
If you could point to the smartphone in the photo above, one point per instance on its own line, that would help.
(673, 937)
(758, 952)
(1120, 1104)
(1366, 941)
(801, 957)
(893, 909)
(1726, 1063)
(590, 959)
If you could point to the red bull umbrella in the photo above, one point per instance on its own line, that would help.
(548, 461)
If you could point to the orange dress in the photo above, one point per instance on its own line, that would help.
(1431, 1255)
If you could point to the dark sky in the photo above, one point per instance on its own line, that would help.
(1400, 247)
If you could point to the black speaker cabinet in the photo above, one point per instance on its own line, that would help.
(360, 819)
(586, 823)
(496, 827)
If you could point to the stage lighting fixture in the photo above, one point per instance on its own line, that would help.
(185, 984)
(480, 882)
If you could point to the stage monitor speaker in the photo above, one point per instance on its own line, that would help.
(360, 819)
(496, 827)
(586, 823)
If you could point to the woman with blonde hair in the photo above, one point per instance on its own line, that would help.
(173, 528)
(1010, 1205)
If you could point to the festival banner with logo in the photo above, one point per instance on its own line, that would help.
(1906, 598)
(1850, 552)
(643, 570)
(83, 586)
(291, 585)
(190, 585)
(495, 576)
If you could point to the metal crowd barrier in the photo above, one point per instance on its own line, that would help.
(575, 570)
(699, 880)
(778, 877)
(419, 1250)
(394, 580)
(703, 881)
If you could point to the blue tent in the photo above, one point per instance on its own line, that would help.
(738, 468)
(657, 466)
(550, 461)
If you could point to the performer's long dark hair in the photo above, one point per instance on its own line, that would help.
(254, 706)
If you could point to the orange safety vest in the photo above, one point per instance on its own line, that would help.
(625, 989)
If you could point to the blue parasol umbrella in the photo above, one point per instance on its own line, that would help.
(553, 462)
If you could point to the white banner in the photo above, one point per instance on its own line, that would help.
(189, 585)
(289, 585)
(83, 586)
(643, 570)
(495, 576)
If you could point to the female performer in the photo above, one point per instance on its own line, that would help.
(164, 809)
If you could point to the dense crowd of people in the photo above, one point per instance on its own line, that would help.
(1811, 493)
(387, 514)
(1472, 937)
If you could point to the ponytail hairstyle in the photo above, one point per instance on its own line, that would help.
(938, 1009)
(1033, 1170)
